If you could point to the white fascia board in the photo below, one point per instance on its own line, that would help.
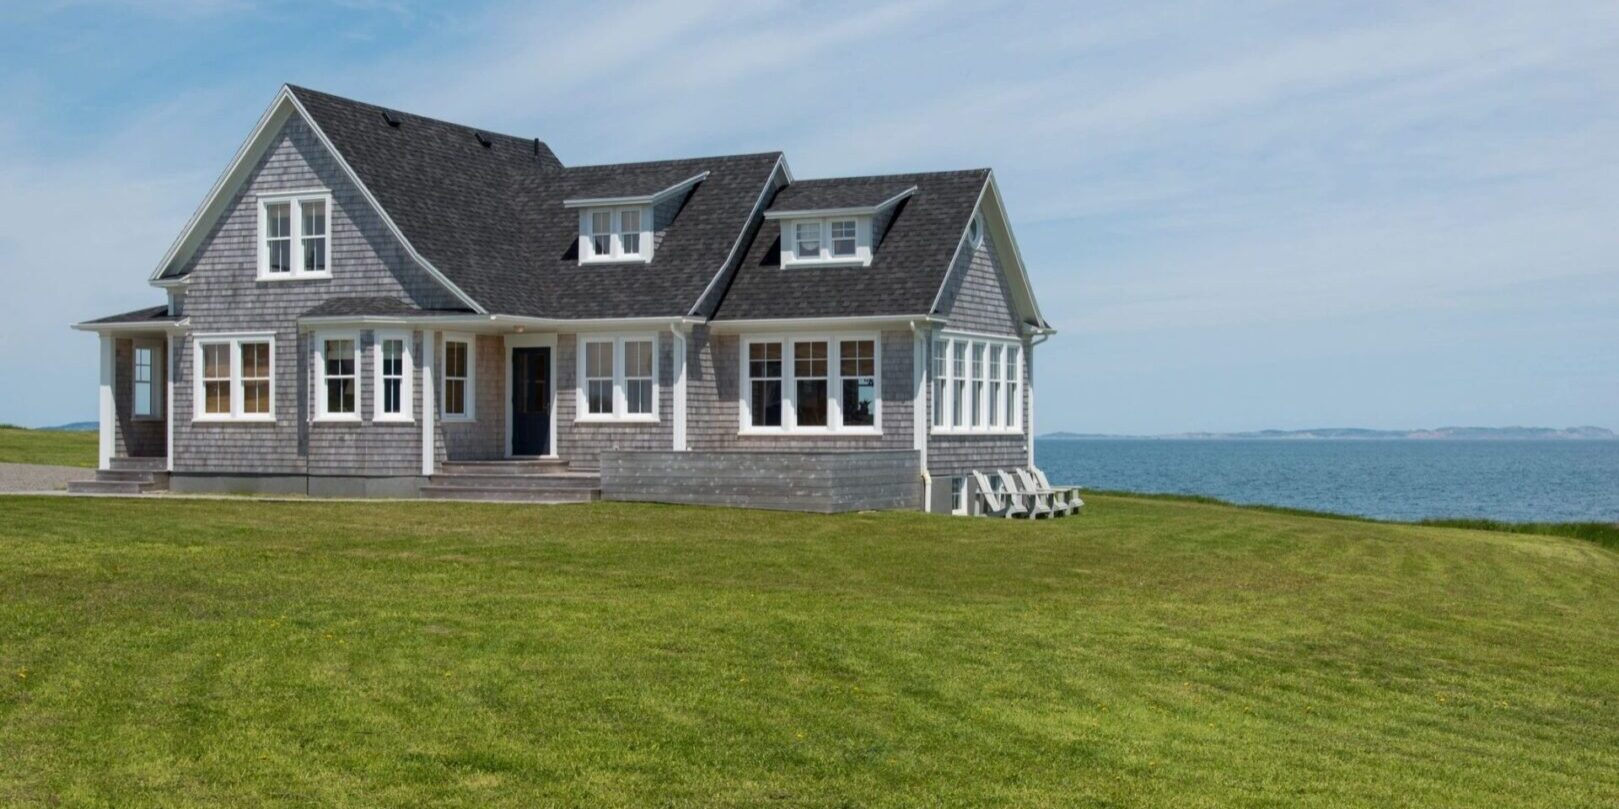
(797, 324)
(644, 199)
(176, 327)
(736, 247)
(863, 210)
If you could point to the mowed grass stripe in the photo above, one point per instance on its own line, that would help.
(1149, 652)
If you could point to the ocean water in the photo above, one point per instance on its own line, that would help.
(1518, 481)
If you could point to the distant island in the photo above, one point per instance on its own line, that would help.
(1362, 434)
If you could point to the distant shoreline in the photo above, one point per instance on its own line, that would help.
(1361, 434)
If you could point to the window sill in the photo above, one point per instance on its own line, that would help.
(810, 432)
(964, 431)
(393, 420)
(452, 419)
(825, 262)
(336, 420)
(598, 419)
(296, 276)
(270, 419)
(617, 260)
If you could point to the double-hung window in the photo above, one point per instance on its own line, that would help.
(148, 375)
(235, 377)
(811, 385)
(458, 377)
(392, 391)
(838, 240)
(295, 235)
(337, 390)
(976, 384)
(618, 378)
(615, 234)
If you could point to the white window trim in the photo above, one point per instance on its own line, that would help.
(470, 400)
(405, 390)
(789, 387)
(296, 199)
(959, 501)
(620, 400)
(587, 247)
(321, 415)
(975, 231)
(1011, 423)
(235, 341)
(790, 256)
(156, 383)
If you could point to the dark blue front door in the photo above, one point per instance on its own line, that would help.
(531, 401)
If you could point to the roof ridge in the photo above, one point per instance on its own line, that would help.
(673, 160)
(297, 89)
(901, 176)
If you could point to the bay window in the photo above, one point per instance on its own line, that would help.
(810, 385)
(235, 377)
(617, 378)
(976, 384)
(295, 235)
(392, 361)
(337, 388)
(458, 378)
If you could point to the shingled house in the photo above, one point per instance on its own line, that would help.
(373, 303)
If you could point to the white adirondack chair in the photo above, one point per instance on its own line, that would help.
(1070, 494)
(1057, 500)
(998, 504)
(1039, 504)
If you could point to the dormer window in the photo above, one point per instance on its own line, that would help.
(614, 234)
(830, 240)
(294, 235)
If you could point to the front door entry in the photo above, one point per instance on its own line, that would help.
(531, 401)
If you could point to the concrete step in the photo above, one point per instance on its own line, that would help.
(132, 476)
(109, 487)
(516, 466)
(140, 464)
(559, 481)
(433, 492)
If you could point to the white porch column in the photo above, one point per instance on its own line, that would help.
(108, 358)
(169, 344)
(429, 402)
(680, 390)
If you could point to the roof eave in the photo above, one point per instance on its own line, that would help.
(643, 199)
(859, 210)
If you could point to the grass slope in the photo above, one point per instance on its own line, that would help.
(55, 447)
(1150, 652)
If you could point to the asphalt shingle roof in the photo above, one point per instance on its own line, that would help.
(373, 307)
(492, 220)
(155, 315)
(839, 192)
(907, 268)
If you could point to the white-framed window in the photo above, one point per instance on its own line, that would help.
(811, 385)
(460, 372)
(832, 240)
(615, 234)
(617, 378)
(337, 376)
(975, 230)
(235, 377)
(392, 361)
(295, 235)
(958, 496)
(977, 384)
(147, 380)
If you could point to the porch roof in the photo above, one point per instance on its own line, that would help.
(157, 317)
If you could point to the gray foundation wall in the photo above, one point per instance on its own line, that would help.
(402, 486)
(825, 482)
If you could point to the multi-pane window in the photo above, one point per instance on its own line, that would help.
(618, 378)
(393, 370)
(843, 237)
(235, 378)
(146, 401)
(458, 378)
(807, 240)
(296, 233)
(958, 383)
(638, 365)
(313, 235)
(994, 380)
(278, 237)
(811, 384)
(857, 364)
(615, 234)
(599, 377)
(216, 378)
(339, 394)
(764, 379)
(958, 495)
(977, 390)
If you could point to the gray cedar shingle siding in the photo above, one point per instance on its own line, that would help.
(225, 296)
(817, 481)
(976, 297)
(142, 438)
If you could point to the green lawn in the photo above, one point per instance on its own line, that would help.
(1150, 652)
(58, 447)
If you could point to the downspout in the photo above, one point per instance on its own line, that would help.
(1028, 386)
(919, 415)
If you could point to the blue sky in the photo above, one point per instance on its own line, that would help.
(1239, 215)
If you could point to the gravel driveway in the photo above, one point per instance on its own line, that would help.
(23, 477)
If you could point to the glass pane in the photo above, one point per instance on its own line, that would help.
(638, 358)
(217, 397)
(995, 362)
(956, 397)
(938, 358)
(938, 402)
(340, 396)
(857, 357)
(143, 365)
(630, 231)
(255, 360)
(216, 361)
(143, 398)
(390, 395)
(601, 222)
(339, 357)
(601, 229)
(1011, 363)
(843, 238)
(809, 359)
(808, 236)
(859, 402)
(315, 255)
(455, 397)
(455, 360)
(281, 256)
(764, 360)
(598, 360)
(278, 220)
(994, 404)
(812, 405)
(600, 393)
(766, 403)
(978, 403)
(314, 217)
(393, 357)
(958, 360)
(256, 397)
(631, 243)
(602, 245)
(638, 392)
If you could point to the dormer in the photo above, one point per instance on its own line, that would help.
(833, 222)
(619, 217)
